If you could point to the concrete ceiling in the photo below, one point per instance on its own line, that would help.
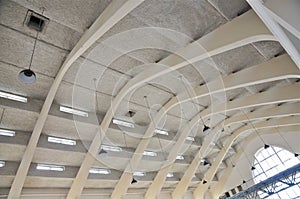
(199, 60)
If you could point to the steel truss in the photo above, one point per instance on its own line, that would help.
(273, 185)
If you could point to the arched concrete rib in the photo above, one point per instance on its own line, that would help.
(276, 29)
(286, 121)
(276, 95)
(218, 188)
(160, 178)
(243, 30)
(110, 16)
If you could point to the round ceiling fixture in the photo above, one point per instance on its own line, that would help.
(27, 76)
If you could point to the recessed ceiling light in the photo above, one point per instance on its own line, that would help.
(179, 157)
(100, 171)
(48, 167)
(61, 141)
(73, 111)
(189, 138)
(149, 153)
(162, 132)
(9, 133)
(111, 148)
(123, 123)
(139, 173)
(2, 164)
(13, 97)
(170, 175)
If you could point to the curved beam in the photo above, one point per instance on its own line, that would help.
(287, 121)
(276, 95)
(268, 71)
(240, 32)
(279, 111)
(275, 28)
(109, 17)
(218, 188)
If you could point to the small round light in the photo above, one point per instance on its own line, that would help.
(27, 76)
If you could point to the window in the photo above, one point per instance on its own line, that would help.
(271, 161)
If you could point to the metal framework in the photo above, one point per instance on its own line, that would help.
(270, 186)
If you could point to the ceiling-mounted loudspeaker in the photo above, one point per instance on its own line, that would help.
(252, 168)
(133, 181)
(296, 154)
(204, 181)
(266, 146)
(244, 181)
(206, 129)
(27, 76)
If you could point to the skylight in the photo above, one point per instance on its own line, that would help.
(9, 133)
(61, 141)
(2, 164)
(179, 157)
(73, 111)
(13, 97)
(48, 167)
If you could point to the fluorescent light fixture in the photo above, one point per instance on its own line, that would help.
(13, 97)
(123, 123)
(111, 148)
(48, 167)
(9, 133)
(73, 111)
(139, 173)
(179, 157)
(162, 132)
(100, 171)
(189, 138)
(150, 153)
(170, 175)
(61, 141)
(2, 164)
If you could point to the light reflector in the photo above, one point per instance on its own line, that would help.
(9, 133)
(2, 164)
(100, 171)
(48, 167)
(162, 132)
(150, 153)
(170, 175)
(111, 148)
(189, 138)
(13, 97)
(179, 157)
(139, 173)
(123, 123)
(61, 141)
(73, 111)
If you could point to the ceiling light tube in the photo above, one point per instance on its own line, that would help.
(139, 173)
(123, 123)
(189, 138)
(2, 164)
(170, 175)
(48, 167)
(162, 132)
(149, 153)
(61, 141)
(13, 97)
(9, 133)
(73, 111)
(100, 171)
(111, 148)
(179, 157)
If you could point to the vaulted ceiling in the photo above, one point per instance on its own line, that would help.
(171, 65)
